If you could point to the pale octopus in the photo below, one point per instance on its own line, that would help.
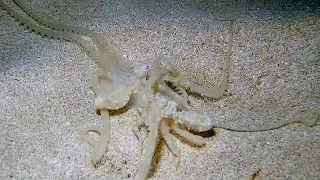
(120, 80)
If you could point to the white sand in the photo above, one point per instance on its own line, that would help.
(45, 100)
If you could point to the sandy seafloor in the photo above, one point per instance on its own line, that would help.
(45, 99)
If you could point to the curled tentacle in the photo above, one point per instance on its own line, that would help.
(169, 139)
(194, 139)
(100, 146)
(213, 92)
